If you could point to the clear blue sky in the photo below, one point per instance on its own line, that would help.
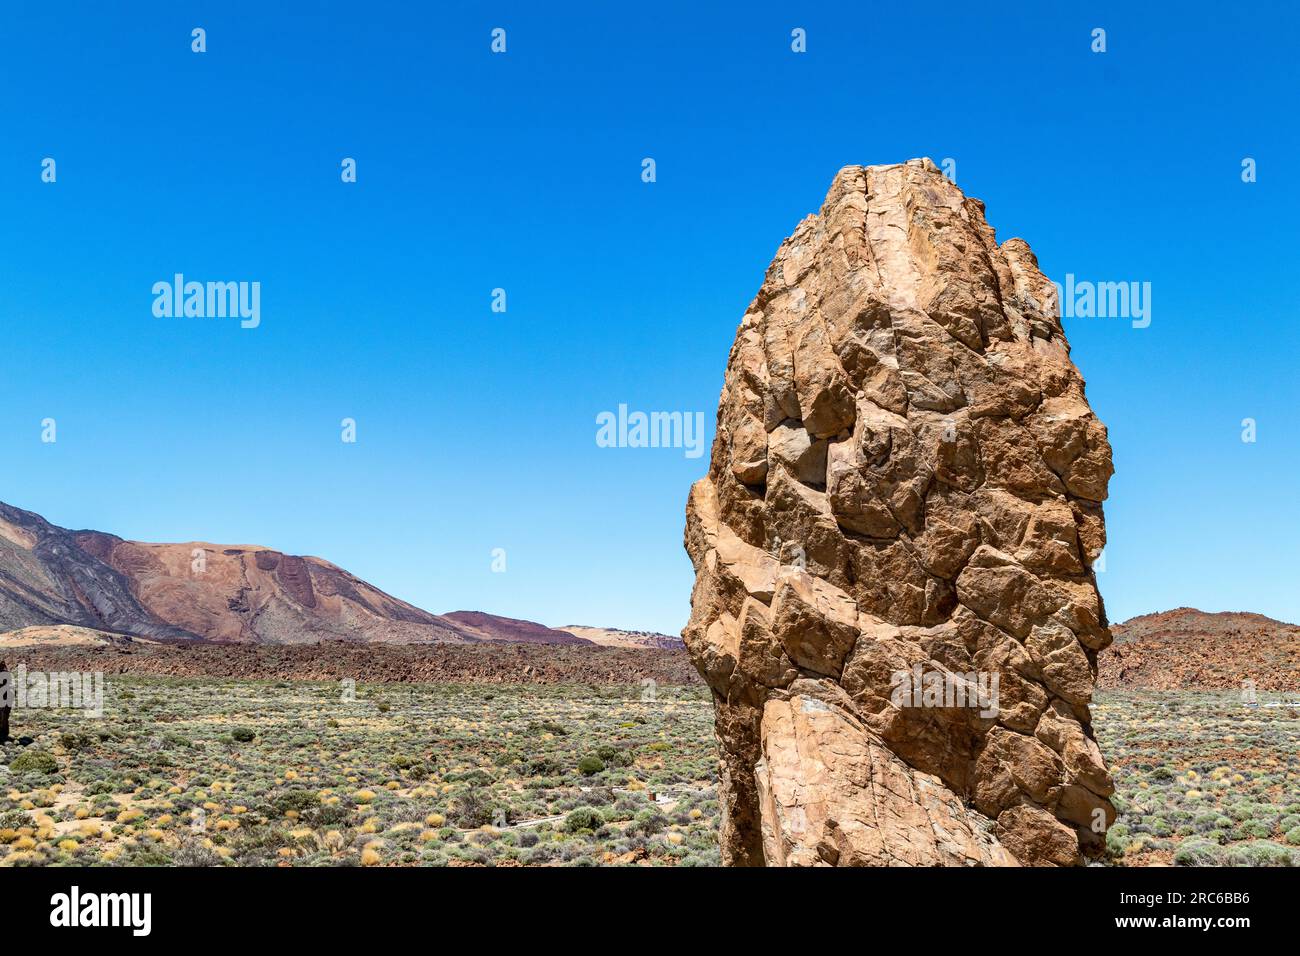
(476, 430)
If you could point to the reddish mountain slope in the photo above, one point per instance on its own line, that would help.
(491, 627)
(1187, 648)
(50, 576)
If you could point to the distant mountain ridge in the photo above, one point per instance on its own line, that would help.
(616, 637)
(51, 577)
(495, 627)
(1186, 648)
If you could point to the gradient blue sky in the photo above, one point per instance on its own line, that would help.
(522, 171)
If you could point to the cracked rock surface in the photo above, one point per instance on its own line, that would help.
(906, 479)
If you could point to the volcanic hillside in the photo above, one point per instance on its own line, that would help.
(1186, 648)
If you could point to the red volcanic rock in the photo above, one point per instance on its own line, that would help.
(1188, 649)
(486, 663)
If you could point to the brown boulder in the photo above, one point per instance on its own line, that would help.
(894, 603)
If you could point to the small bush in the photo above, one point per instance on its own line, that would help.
(615, 756)
(13, 819)
(1117, 839)
(243, 734)
(544, 767)
(590, 764)
(299, 800)
(1260, 853)
(474, 778)
(329, 816)
(646, 823)
(472, 810)
(546, 727)
(583, 818)
(34, 761)
(1198, 853)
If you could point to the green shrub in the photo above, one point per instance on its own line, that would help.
(615, 756)
(330, 815)
(1198, 853)
(1256, 829)
(1260, 853)
(13, 819)
(243, 734)
(298, 800)
(546, 727)
(472, 810)
(474, 778)
(590, 764)
(647, 822)
(544, 767)
(413, 767)
(34, 761)
(583, 818)
(1253, 811)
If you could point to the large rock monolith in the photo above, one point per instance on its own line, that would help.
(895, 605)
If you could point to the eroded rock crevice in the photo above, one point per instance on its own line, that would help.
(906, 479)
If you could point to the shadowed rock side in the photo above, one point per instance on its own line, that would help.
(906, 475)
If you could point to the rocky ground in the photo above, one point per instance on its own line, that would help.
(375, 663)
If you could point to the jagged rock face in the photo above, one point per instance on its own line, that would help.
(904, 494)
